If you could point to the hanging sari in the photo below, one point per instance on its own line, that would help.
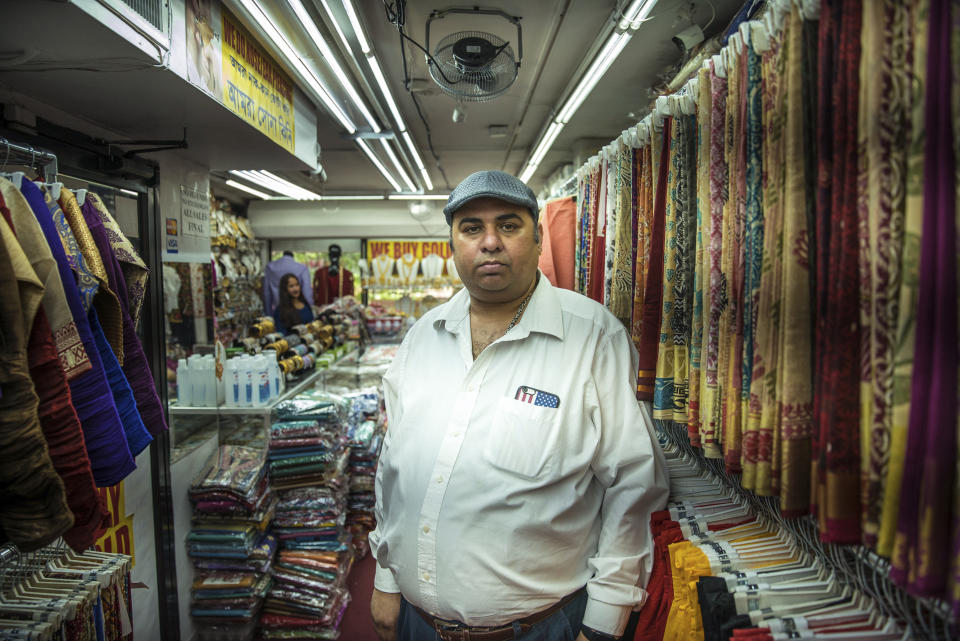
(643, 190)
(794, 385)
(621, 287)
(763, 416)
(712, 436)
(653, 291)
(883, 129)
(753, 258)
(909, 278)
(923, 530)
(701, 267)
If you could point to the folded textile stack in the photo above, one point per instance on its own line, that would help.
(306, 439)
(364, 436)
(230, 547)
(308, 459)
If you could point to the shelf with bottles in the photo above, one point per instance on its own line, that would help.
(294, 387)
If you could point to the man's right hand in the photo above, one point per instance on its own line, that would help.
(385, 609)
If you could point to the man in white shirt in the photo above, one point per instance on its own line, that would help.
(518, 465)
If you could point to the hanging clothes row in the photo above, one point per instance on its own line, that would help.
(780, 237)
(723, 571)
(77, 398)
(54, 594)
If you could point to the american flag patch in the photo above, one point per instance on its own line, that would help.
(536, 397)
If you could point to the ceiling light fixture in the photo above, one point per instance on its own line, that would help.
(275, 183)
(352, 197)
(357, 29)
(631, 20)
(379, 165)
(418, 196)
(381, 80)
(249, 190)
(307, 75)
(311, 28)
(396, 164)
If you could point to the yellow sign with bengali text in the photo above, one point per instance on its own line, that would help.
(119, 535)
(254, 86)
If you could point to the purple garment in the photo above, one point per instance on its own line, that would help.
(107, 447)
(272, 274)
(924, 521)
(135, 365)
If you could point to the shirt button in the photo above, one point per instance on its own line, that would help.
(426, 529)
(439, 479)
(426, 577)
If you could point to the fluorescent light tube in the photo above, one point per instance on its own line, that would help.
(308, 76)
(600, 64)
(635, 13)
(303, 194)
(336, 24)
(128, 192)
(249, 190)
(551, 134)
(385, 90)
(396, 164)
(379, 165)
(352, 197)
(426, 177)
(357, 29)
(527, 173)
(307, 22)
(418, 196)
(416, 158)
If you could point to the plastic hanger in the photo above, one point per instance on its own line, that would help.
(81, 195)
(16, 177)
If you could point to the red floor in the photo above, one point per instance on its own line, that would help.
(356, 624)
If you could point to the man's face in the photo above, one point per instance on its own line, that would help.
(496, 248)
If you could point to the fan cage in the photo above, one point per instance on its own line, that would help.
(491, 80)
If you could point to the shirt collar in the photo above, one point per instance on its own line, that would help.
(543, 313)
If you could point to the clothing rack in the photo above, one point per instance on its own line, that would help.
(856, 565)
(14, 153)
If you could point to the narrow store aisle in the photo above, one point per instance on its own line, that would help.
(356, 624)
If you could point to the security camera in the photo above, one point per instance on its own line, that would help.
(688, 38)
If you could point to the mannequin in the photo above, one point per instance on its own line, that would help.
(334, 281)
(432, 266)
(407, 268)
(452, 270)
(382, 268)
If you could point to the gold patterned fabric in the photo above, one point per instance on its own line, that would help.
(73, 357)
(135, 271)
(909, 281)
(621, 290)
(105, 301)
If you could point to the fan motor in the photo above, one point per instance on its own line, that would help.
(472, 53)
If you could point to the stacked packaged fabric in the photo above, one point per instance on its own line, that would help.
(364, 436)
(230, 547)
(306, 441)
(308, 458)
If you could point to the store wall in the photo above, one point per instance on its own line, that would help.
(344, 219)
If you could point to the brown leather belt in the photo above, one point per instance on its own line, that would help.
(455, 631)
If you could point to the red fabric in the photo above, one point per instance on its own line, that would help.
(653, 291)
(559, 237)
(325, 285)
(598, 248)
(62, 431)
(652, 619)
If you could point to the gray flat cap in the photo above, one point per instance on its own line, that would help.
(491, 184)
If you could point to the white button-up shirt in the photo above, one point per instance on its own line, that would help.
(510, 481)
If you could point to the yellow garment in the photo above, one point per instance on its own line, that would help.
(688, 563)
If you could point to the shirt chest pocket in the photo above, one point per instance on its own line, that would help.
(523, 438)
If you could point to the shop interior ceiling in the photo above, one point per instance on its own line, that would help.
(74, 64)
(557, 37)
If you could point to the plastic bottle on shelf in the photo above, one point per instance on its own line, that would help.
(263, 381)
(246, 381)
(210, 375)
(184, 395)
(231, 382)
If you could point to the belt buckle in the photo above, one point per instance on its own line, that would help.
(450, 631)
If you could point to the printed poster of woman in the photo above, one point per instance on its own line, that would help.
(203, 45)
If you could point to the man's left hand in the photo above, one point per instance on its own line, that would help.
(580, 637)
